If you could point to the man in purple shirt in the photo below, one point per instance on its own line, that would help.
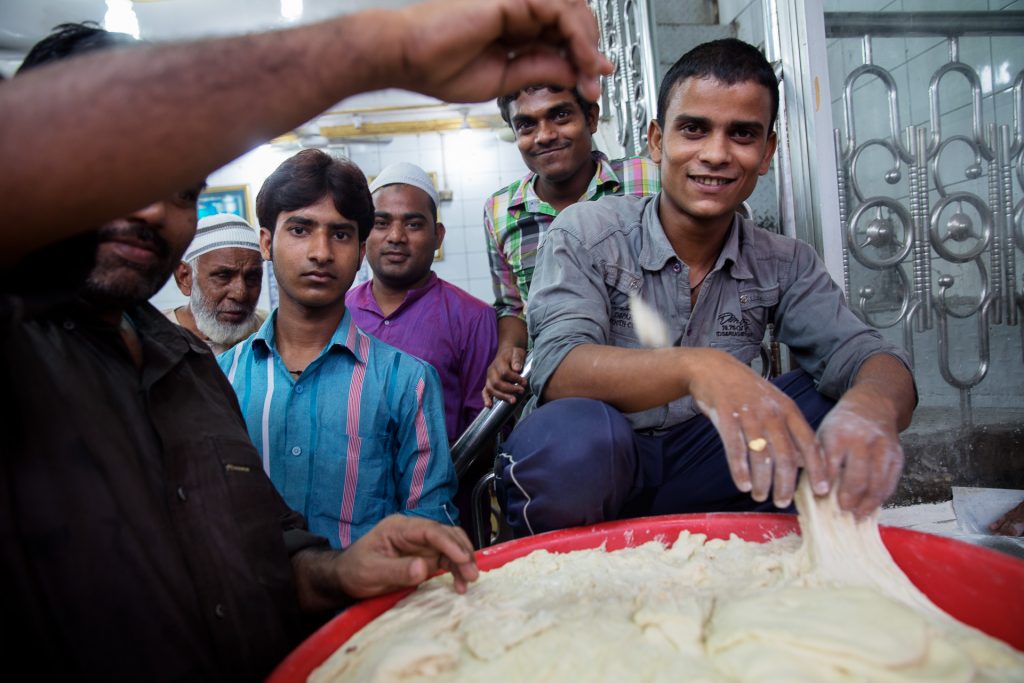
(409, 307)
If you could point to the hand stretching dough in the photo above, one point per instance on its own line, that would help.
(834, 608)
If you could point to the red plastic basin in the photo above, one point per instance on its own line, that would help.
(978, 586)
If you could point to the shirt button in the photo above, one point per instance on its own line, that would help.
(298, 389)
(181, 494)
(677, 267)
(743, 299)
(219, 611)
(69, 324)
(296, 450)
(387, 322)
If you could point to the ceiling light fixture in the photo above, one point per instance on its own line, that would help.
(291, 10)
(120, 18)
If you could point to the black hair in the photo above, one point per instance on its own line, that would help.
(307, 177)
(68, 40)
(505, 101)
(728, 60)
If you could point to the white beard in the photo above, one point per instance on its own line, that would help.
(224, 334)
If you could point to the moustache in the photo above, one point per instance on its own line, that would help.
(137, 232)
(543, 149)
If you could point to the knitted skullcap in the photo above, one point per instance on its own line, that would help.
(404, 173)
(222, 231)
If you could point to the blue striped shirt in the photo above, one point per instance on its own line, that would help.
(359, 435)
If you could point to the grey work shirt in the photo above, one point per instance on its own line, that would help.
(597, 253)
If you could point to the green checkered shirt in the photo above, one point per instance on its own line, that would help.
(516, 220)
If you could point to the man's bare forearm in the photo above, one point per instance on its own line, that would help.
(884, 382)
(512, 332)
(628, 379)
(317, 580)
(193, 109)
(96, 137)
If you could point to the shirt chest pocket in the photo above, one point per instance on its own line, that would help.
(620, 285)
(740, 333)
(758, 304)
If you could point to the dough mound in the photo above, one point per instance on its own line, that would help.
(788, 610)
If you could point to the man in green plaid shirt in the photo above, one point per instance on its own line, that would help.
(553, 129)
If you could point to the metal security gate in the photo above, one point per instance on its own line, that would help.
(629, 96)
(932, 233)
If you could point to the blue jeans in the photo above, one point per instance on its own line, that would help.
(577, 461)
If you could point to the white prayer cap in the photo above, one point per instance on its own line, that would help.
(222, 231)
(404, 173)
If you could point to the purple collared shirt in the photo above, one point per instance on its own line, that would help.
(445, 326)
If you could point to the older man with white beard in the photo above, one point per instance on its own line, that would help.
(222, 275)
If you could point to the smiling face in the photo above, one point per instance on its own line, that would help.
(404, 237)
(136, 254)
(553, 134)
(316, 253)
(714, 147)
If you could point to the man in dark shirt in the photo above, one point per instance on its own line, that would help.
(142, 538)
(139, 537)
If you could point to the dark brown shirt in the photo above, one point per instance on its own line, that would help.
(140, 537)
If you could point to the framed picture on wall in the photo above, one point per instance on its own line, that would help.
(439, 252)
(226, 199)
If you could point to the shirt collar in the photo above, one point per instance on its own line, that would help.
(148, 323)
(364, 300)
(163, 343)
(656, 250)
(346, 336)
(604, 177)
(361, 297)
(738, 234)
(414, 295)
(264, 337)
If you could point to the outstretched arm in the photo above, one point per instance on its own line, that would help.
(741, 405)
(144, 122)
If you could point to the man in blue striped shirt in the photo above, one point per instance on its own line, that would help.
(350, 429)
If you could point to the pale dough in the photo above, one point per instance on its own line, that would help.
(832, 607)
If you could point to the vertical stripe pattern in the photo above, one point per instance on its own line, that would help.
(358, 435)
(419, 472)
(265, 421)
(234, 363)
(355, 395)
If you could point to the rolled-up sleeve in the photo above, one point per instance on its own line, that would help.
(568, 302)
(823, 334)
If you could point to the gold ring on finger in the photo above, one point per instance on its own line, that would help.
(757, 445)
